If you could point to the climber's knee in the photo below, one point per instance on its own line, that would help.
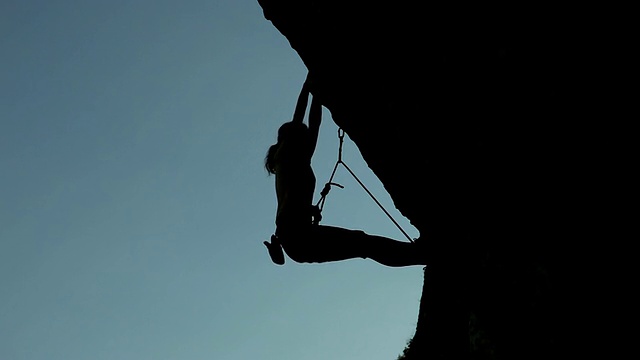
(298, 253)
(295, 243)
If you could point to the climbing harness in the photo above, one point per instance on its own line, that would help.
(327, 187)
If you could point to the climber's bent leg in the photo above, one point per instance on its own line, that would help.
(320, 243)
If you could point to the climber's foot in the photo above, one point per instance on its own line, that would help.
(422, 250)
(275, 250)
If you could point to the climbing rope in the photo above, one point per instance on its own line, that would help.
(330, 183)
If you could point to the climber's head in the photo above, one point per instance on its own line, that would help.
(293, 131)
(294, 134)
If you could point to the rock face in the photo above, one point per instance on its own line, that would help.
(471, 116)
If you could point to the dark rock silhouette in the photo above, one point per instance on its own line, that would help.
(472, 118)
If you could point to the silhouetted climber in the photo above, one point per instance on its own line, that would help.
(297, 228)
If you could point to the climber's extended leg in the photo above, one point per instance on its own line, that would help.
(275, 250)
(329, 243)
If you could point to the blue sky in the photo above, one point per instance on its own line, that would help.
(134, 203)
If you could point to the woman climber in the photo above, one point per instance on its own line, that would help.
(297, 228)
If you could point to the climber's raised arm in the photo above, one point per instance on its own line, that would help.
(315, 118)
(301, 105)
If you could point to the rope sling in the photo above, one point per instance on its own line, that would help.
(327, 187)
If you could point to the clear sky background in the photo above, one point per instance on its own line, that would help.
(134, 202)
